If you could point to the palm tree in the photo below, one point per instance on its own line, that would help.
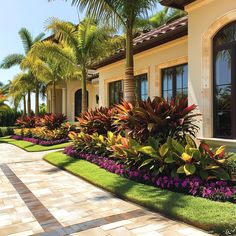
(3, 107)
(15, 59)
(165, 16)
(50, 69)
(125, 13)
(80, 47)
(19, 88)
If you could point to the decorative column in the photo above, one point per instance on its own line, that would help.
(64, 101)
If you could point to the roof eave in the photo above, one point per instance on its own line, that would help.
(162, 39)
(179, 4)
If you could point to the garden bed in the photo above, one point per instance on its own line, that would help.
(30, 147)
(218, 190)
(206, 214)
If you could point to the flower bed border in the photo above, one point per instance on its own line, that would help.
(39, 141)
(195, 186)
(30, 147)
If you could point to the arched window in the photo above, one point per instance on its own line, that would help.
(225, 82)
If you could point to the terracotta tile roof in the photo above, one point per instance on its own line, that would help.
(150, 39)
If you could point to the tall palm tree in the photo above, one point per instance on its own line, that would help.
(18, 90)
(50, 69)
(15, 59)
(82, 46)
(124, 13)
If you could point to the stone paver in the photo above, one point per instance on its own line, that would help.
(37, 198)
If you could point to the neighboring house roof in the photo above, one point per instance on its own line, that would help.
(150, 39)
(180, 4)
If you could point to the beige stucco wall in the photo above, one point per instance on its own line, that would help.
(150, 62)
(206, 18)
(69, 89)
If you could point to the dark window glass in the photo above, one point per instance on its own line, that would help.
(226, 35)
(115, 92)
(175, 82)
(224, 82)
(142, 86)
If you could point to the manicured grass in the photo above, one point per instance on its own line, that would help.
(203, 213)
(30, 147)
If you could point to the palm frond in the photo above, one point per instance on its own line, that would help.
(26, 38)
(11, 60)
(39, 38)
(64, 32)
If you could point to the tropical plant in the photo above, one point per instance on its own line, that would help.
(47, 69)
(120, 13)
(26, 122)
(165, 16)
(52, 121)
(173, 158)
(18, 89)
(3, 106)
(157, 118)
(84, 44)
(16, 59)
(99, 120)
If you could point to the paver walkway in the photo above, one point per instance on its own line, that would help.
(37, 198)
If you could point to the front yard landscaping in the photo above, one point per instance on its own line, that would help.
(40, 133)
(219, 217)
(153, 159)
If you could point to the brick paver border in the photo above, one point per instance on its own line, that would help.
(47, 221)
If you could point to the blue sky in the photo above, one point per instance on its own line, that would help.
(32, 14)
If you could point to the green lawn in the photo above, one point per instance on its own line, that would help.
(203, 213)
(30, 147)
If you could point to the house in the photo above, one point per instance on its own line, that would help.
(194, 56)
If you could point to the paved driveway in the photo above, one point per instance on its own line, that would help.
(37, 198)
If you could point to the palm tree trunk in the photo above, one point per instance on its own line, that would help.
(37, 100)
(24, 105)
(84, 91)
(54, 96)
(129, 83)
(29, 103)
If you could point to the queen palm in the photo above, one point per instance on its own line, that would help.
(15, 59)
(125, 13)
(85, 44)
(48, 68)
(18, 89)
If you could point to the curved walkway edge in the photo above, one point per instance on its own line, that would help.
(37, 198)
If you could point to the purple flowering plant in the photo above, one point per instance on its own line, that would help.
(219, 190)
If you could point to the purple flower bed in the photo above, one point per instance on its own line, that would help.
(41, 142)
(195, 186)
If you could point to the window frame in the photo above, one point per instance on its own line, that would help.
(232, 47)
(138, 80)
(174, 80)
(109, 91)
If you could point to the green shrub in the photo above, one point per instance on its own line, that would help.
(5, 131)
(9, 117)
(230, 166)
